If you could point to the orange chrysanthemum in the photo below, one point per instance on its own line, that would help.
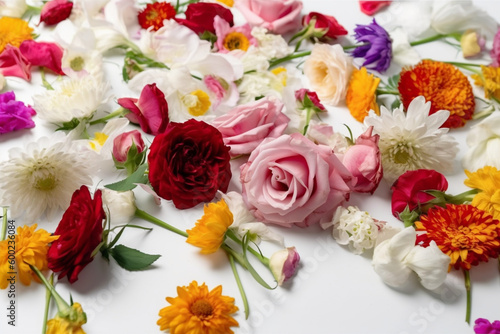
(490, 80)
(487, 180)
(465, 233)
(196, 310)
(154, 14)
(30, 248)
(13, 31)
(210, 231)
(361, 98)
(443, 85)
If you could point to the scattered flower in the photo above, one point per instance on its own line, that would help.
(371, 7)
(200, 16)
(70, 321)
(200, 311)
(14, 115)
(119, 204)
(324, 25)
(484, 326)
(376, 48)
(13, 31)
(361, 94)
(277, 16)
(55, 11)
(284, 263)
(129, 150)
(154, 14)
(442, 84)
(413, 140)
(487, 181)
(43, 54)
(483, 141)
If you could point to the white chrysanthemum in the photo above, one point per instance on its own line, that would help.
(413, 140)
(355, 228)
(271, 45)
(74, 98)
(42, 177)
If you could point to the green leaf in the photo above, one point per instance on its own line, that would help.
(132, 259)
(69, 125)
(393, 82)
(128, 183)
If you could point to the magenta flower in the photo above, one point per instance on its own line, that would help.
(483, 326)
(495, 50)
(14, 115)
(14, 64)
(376, 48)
(44, 54)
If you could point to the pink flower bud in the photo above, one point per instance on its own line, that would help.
(55, 11)
(284, 263)
(300, 96)
(123, 142)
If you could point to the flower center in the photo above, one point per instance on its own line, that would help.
(197, 102)
(77, 63)
(463, 238)
(236, 41)
(43, 176)
(100, 138)
(281, 73)
(402, 153)
(202, 308)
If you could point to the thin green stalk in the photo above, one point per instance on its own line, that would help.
(62, 305)
(45, 83)
(348, 47)
(429, 39)
(264, 260)
(146, 216)
(308, 120)
(119, 112)
(385, 91)
(468, 290)
(4, 224)
(240, 286)
(289, 57)
(48, 295)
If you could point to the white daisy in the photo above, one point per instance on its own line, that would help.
(413, 140)
(42, 177)
(74, 98)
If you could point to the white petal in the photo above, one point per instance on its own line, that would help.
(430, 264)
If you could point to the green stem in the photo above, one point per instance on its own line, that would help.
(289, 57)
(348, 47)
(240, 286)
(45, 83)
(119, 112)
(468, 290)
(429, 39)
(308, 120)
(264, 260)
(4, 224)
(466, 196)
(62, 306)
(385, 91)
(146, 216)
(47, 303)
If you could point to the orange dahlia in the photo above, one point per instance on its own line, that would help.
(490, 80)
(154, 14)
(361, 98)
(465, 233)
(443, 85)
(196, 310)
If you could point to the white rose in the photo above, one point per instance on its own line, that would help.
(121, 205)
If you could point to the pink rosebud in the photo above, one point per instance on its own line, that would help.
(55, 11)
(284, 263)
(313, 97)
(371, 7)
(326, 23)
(495, 50)
(363, 160)
(14, 64)
(44, 54)
(123, 143)
(150, 111)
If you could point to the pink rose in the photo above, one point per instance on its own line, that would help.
(14, 64)
(123, 142)
(495, 50)
(277, 16)
(44, 54)
(363, 160)
(292, 181)
(244, 127)
(55, 11)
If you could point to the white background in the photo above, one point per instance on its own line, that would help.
(334, 290)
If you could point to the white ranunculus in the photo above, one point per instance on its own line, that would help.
(12, 8)
(483, 140)
(328, 70)
(120, 205)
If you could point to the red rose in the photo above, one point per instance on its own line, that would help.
(44, 54)
(80, 231)
(200, 16)
(371, 7)
(189, 163)
(333, 28)
(410, 189)
(55, 11)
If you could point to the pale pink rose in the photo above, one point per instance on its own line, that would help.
(364, 162)
(244, 127)
(277, 16)
(290, 181)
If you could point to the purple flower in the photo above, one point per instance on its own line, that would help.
(14, 115)
(483, 326)
(376, 48)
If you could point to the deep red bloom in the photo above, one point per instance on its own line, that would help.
(200, 16)
(410, 189)
(333, 28)
(150, 111)
(80, 231)
(371, 7)
(189, 163)
(55, 11)
(154, 14)
(44, 54)
(14, 64)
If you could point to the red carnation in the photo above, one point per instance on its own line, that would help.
(154, 14)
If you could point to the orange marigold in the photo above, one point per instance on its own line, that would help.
(154, 14)
(465, 233)
(361, 98)
(13, 31)
(490, 80)
(443, 85)
(196, 310)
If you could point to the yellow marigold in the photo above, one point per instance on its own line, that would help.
(210, 231)
(196, 310)
(487, 180)
(361, 98)
(13, 31)
(490, 80)
(443, 85)
(69, 324)
(29, 247)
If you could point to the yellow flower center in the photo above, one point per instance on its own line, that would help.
(197, 102)
(77, 63)
(43, 176)
(13, 31)
(100, 138)
(202, 308)
(236, 41)
(281, 73)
